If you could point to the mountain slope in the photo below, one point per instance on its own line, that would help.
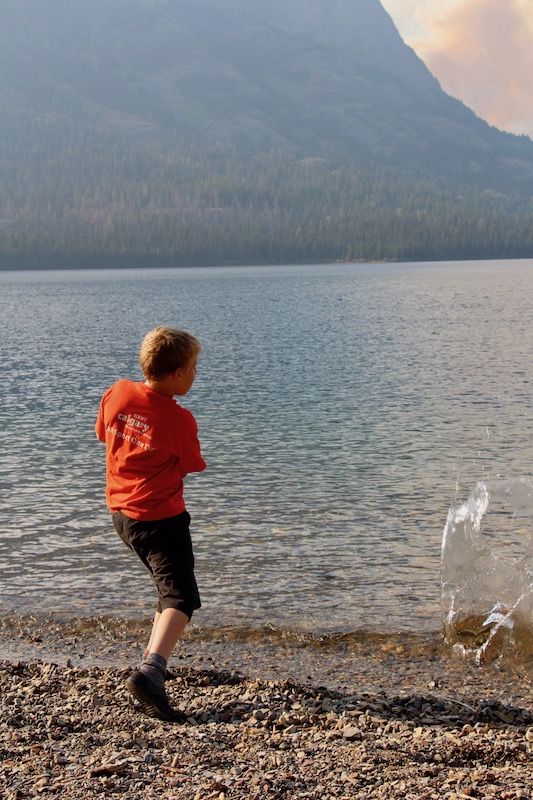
(126, 122)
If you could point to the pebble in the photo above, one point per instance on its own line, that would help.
(358, 720)
(253, 738)
(350, 733)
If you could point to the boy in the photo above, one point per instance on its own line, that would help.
(151, 445)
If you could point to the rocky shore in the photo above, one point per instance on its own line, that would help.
(375, 719)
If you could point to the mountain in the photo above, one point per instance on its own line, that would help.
(209, 131)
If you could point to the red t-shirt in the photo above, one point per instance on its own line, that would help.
(151, 444)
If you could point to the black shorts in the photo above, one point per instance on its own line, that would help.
(165, 548)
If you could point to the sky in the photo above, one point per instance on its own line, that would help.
(481, 51)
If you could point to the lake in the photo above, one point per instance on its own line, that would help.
(341, 409)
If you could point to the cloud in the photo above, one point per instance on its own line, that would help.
(406, 15)
(480, 50)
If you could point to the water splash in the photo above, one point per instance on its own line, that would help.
(487, 572)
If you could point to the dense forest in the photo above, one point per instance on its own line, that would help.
(295, 149)
(107, 205)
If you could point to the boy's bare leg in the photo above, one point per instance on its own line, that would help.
(168, 626)
(165, 632)
(152, 633)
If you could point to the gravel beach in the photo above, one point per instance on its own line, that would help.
(268, 717)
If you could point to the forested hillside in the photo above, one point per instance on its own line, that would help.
(216, 131)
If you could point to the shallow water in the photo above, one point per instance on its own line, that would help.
(342, 408)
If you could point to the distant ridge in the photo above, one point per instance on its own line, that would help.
(222, 131)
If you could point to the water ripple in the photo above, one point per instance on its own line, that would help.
(341, 409)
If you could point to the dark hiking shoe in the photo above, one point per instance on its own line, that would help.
(153, 700)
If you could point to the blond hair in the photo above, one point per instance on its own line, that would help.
(165, 349)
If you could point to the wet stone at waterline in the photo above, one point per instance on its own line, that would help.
(487, 572)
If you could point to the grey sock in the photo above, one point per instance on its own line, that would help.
(154, 667)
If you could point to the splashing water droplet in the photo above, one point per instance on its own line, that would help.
(487, 572)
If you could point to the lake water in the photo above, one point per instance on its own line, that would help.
(341, 410)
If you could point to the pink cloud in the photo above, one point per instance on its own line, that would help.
(482, 52)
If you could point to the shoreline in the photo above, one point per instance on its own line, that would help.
(362, 661)
(268, 718)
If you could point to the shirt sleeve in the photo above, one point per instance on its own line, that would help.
(99, 427)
